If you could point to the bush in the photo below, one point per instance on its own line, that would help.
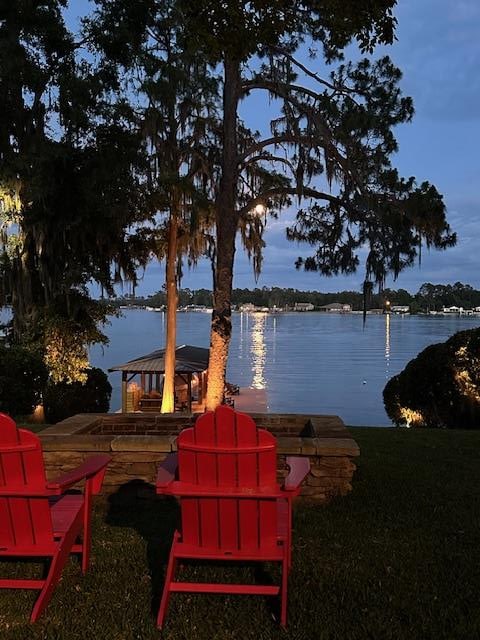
(62, 400)
(22, 379)
(440, 387)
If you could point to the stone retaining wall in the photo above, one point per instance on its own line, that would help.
(139, 442)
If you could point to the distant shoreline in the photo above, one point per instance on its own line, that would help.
(370, 312)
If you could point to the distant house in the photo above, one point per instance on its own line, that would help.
(336, 307)
(400, 308)
(248, 307)
(453, 309)
(303, 306)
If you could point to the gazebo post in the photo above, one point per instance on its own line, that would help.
(124, 392)
(200, 386)
(199, 398)
(189, 387)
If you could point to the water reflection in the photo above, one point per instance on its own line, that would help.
(243, 333)
(258, 350)
(274, 340)
(321, 359)
(387, 345)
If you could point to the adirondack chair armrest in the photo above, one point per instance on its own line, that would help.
(299, 469)
(166, 472)
(92, 470)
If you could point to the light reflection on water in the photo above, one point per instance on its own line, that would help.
(258, 350)
(387, 346)
(306, 362)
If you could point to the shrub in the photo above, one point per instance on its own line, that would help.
(440, 387)
(62, 400)
(22, 379)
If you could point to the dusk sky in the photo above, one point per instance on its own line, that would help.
(438, 51)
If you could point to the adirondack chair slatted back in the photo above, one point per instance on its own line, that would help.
(225, 449)
(25, 520)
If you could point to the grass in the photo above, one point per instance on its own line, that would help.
(25, 423)
(32, 426)
(399, 558)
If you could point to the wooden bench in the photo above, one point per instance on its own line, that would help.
(153, 405)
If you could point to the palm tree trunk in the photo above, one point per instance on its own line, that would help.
(226, 229)
(168, 397)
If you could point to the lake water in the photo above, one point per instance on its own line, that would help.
(306, 362)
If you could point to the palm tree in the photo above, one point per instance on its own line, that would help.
(176, 102)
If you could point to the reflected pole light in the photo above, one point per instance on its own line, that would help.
(387, 345)
(258, 351)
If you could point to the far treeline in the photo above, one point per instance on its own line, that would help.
(430, 297)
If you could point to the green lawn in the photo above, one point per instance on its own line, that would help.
(32, 426)
(24, 423)
(398, 558)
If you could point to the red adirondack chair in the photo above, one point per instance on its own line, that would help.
(36, 520)
(231, 505)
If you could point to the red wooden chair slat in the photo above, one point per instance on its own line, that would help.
(267, 466)
(34, 471)
(227, 477)
(207, 476)
(30, 525)
(231, 505)
(189, 506)
(248, 477)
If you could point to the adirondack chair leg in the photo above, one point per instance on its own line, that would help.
(87, 537)
(289, 536)
(56, 568)
(172, 563)
(51, 580)
(87, 545)
(54, 573)
(283, 614)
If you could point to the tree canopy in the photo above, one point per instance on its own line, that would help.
(330, 145)
(68, 158)
(139, 117)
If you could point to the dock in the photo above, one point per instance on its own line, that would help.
(251, 400)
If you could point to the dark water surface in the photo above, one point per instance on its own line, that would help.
(306, 362)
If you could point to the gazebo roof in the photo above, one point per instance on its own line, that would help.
(188, 359)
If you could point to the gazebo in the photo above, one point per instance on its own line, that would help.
(191, 364)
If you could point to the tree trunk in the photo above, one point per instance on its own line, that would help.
(168, 397)
(27, 294)
(226, 229)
